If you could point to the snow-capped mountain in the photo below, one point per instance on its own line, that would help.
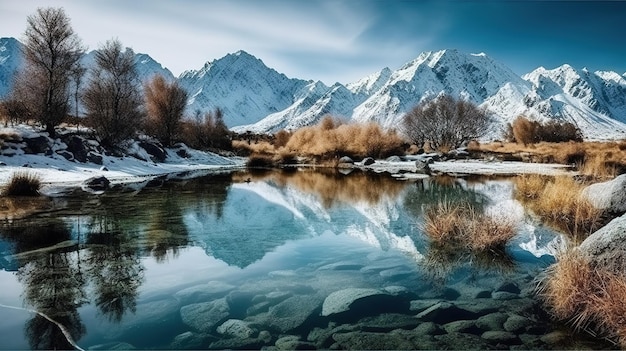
(257, 98)
(10, 61)
(242, 86)
(145, 65)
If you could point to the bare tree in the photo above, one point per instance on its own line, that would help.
(112, 98)
(51, 51)
(445, 122)
(165, 105)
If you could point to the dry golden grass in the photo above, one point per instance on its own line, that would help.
(588, 297)
(557, 201)
(461, 225)
(599, 160)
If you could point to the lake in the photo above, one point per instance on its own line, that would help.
(286, 259)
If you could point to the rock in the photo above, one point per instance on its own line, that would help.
(94, 158)
(368, 161)
(606, 247)
(427, 328)
(555, 338)
(509, 287)
(37, 145)
(483, 294)
(293, 312)
(204, 292)
(292, 342)
(96, 183)
(76, 145)
(422, 304)
(346, 159)
(66, 155)
(516, 323)
(155, 150)
(236, 328)
(503, 295)
(343, 300)
(191, 341)
(374, 341)
(492, 321)
(444, 312)
(182, 153)
(387, 322)
(422, 167)
(462, 326)
(500, 337)
(104, 169)
(462, 341)
(205, 316)
(609, 196)
(393, 159)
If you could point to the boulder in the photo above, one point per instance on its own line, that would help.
(341, 301)
(156, 151)
(37, 145)
(422, 166)
(607, 246)
(346, 159)
(236, 328)
(394, 159)
(66, 155)
(293, 312)
(94, 158)
(205, 316)
(608, 196)
(96, 184)
(368, 161)
(76, 145)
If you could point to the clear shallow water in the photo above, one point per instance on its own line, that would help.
(295, 259)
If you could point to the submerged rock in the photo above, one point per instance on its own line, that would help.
(236, 328)
(293, 312)
(340, 301)
(205, 316)
(608, 196)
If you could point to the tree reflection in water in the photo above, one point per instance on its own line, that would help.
(53, 284)
(114, 267)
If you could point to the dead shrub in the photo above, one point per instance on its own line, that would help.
(525, 131)
(260, 161)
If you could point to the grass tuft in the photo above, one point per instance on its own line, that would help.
(461, 225)
(23, 184)
(590, 298)
(559, 203)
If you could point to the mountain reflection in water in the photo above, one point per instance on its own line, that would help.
(85, 253)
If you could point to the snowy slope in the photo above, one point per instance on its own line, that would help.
(242, 86)
(257, 98)
(10, 61)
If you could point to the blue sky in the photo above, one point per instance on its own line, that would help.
(344, 40)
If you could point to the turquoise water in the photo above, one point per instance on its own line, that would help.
(296, 259)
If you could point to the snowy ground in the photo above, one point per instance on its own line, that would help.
(57, 172)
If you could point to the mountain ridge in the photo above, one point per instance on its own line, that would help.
(257, 98)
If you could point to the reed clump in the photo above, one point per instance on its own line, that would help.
(23, 184)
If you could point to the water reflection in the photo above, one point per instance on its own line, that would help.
(255, 226)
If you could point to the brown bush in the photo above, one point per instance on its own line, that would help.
(590, 298)
(23, 184)
(526, 132)
(165, 104)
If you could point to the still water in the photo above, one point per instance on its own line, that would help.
(297, 259)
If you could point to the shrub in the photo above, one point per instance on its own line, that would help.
(165, 104)
(23, 184)
(207, 131)
(260, 161)
(525, 131)
(461, 225)
(586, 296)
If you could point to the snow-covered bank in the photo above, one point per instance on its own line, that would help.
(56, 170)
